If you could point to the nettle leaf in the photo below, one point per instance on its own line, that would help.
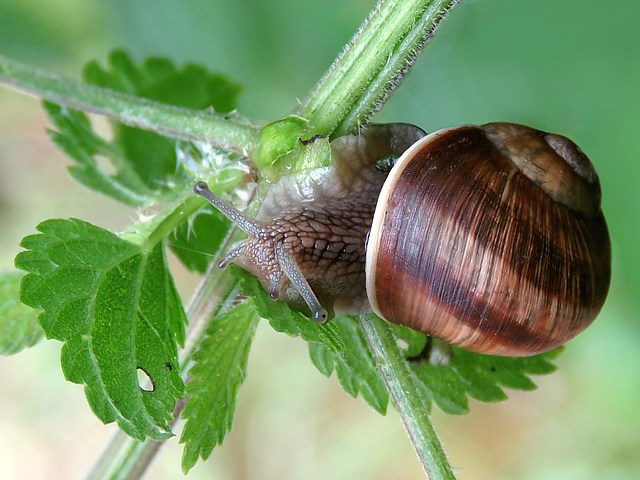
(337, 345)
(74, 135)
(340, 346)
(19, 327)
(481, 377)
(136, 164)
(449, 376)
(114, 305)
(220, 368)
(157, 78)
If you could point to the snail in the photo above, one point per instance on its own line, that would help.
(488, 237)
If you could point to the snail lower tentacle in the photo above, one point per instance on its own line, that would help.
(293, 273)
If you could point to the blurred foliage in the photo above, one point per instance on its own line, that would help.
(571, 67)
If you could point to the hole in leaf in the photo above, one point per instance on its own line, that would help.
(145, 381)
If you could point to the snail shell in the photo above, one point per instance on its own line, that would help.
(489, 237)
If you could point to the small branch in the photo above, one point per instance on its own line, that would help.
(406, 397)
(230, 132)
(356, 86)
(372, 64)
(127, 459)
(149, 231)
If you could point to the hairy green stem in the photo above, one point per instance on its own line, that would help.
(149, 231)
(372, 64)
(359, 81)
(230, 132)
(407, 399)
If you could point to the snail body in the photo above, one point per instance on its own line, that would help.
(489, 237)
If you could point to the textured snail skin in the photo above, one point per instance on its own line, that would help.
(322, 218)
(500, 256)
(327, 241)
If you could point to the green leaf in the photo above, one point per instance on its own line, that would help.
(354, 366)
(157, 78)
(136, 164)
(115, 307)
(221, 363)
(334, 346)
(76, 138)
(19, 327)
(466, 375)
(478, 376)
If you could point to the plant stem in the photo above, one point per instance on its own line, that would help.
(126, 458)
(372, 64)
(149, 231)
(230, 132)
(406, 397)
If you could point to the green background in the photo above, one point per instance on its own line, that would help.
(570, 66)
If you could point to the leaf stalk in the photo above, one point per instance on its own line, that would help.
(401, 384)
(372, 65)
(231, 131)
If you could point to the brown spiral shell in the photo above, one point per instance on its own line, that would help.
(491, 238)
